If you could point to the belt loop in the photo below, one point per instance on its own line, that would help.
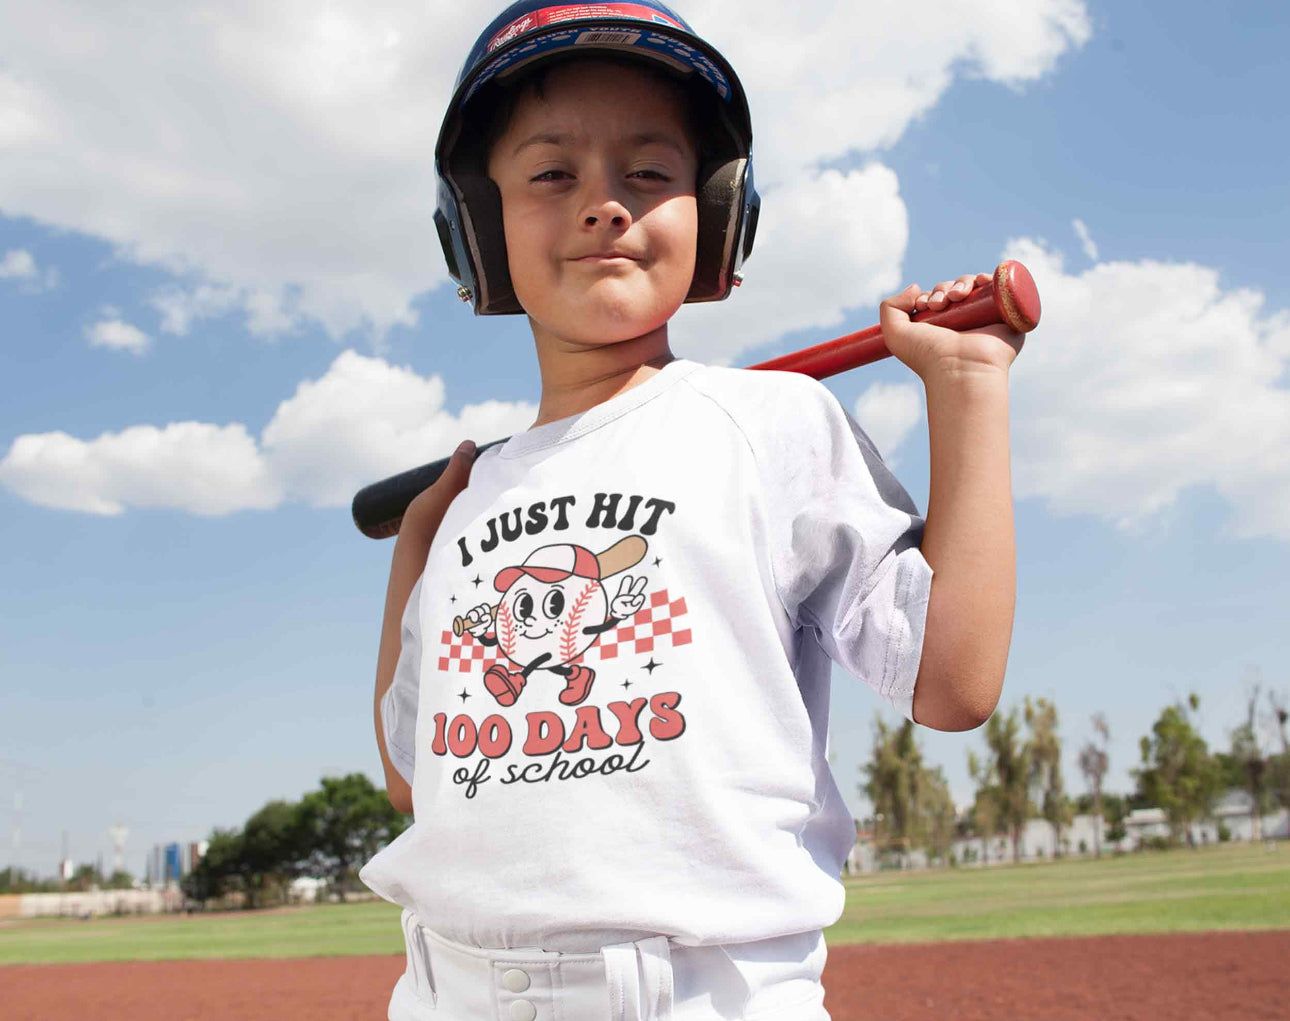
(656, 966)
(745, 993)
(418, 958)
(623, 977)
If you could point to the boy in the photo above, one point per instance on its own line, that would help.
(608, 655)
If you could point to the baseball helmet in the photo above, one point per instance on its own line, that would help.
(531, 33)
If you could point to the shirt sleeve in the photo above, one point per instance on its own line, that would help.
(399, 703)
(844, 545)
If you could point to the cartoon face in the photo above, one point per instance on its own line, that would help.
(537, 617)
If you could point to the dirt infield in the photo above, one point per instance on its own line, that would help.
(1208, 975)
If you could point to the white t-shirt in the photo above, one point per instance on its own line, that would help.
(745, 532)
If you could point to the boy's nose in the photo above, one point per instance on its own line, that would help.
(603, 207)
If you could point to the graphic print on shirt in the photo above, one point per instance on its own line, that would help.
(561, 604)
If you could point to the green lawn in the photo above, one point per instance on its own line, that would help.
(1230, 887)
(1217, 887)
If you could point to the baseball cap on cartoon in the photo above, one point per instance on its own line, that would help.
(551, 564)
(532, 33)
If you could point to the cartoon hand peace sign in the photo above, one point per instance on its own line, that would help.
(630, 598)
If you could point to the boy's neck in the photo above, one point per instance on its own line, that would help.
(576, 377)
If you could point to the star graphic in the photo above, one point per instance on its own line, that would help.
(627, 684)
(463, 696)
(478, 581)
(452, 599)
(651, 666)
(657, 561)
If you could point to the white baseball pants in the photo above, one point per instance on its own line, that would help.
(652, 979)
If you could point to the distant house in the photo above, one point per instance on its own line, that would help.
(306, 889)
(1039, 839)
(1231, 810)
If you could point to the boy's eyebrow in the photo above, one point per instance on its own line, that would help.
(561, 138)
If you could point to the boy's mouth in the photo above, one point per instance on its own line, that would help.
(608, 256)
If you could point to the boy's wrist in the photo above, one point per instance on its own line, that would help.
(959, 380)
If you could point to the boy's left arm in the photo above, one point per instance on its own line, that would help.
(968, 537)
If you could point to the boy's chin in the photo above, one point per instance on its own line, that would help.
(601, 323)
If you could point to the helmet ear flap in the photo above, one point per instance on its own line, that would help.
(719, 201)
(486, 238)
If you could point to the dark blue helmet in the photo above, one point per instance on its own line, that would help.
(533, 32)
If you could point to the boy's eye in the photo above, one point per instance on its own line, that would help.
(556, 175)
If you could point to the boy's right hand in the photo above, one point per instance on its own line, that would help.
(428, 507)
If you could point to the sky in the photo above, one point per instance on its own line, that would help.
(223, 309)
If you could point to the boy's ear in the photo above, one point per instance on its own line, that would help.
(486, 236)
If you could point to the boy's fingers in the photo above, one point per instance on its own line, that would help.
(894, 311)
(905, 300)
(459, 465)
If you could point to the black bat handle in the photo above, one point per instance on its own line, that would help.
(378, 508)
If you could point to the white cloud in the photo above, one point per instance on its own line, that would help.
(363, 420)
(117, 334)
(888, 412)
(19, 264)
(181, 307)
(277, 157)
(366, 419)
(192, 466)
(1086, 242)
(825, 79)
(1145, 379)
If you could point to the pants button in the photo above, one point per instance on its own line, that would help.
(515, 981)
(523, 1010)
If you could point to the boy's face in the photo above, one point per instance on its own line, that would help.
(597, 179)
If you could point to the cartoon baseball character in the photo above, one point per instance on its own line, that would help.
(554, 608)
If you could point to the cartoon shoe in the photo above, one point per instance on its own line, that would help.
(504, 685)
(579, 686)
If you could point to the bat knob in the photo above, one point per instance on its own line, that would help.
(1016, 296)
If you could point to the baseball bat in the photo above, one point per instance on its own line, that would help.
(1009, 298)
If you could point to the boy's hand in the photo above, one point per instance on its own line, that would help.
(428, 507)
(929, 349)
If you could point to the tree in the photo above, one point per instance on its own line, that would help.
(1006, 774)
(1278, 768)
(215, 873)
(1094, 760)
(1045, 756)
(1245, 766)
(1178, 774)
(936, 810)
(985, 815)
(344, 824)
(912, 801)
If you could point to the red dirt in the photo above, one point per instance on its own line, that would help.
(1206, 975)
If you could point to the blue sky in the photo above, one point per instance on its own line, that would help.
(211, 644)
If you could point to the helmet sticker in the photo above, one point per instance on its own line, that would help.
(570, 12)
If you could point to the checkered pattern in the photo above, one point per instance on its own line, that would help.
(655, 624)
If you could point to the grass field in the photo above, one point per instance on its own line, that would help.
(1227, 887)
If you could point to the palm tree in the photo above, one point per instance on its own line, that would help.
(1006, 772)
(1093, 763)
